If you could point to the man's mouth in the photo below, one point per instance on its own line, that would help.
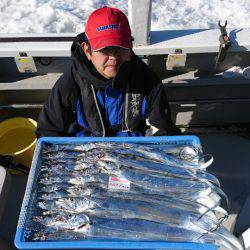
(112, 65)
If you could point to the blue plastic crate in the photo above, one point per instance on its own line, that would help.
(22, 243)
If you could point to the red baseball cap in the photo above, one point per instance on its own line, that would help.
(108, 27)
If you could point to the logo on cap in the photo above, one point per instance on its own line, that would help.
(107, 27)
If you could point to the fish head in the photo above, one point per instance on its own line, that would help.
(65, 203)
(77, 220)
(39, 219)
(43, 196)
(73, 203)
(57, 167)
(49, 212)
(45, 168)
(76, 180)
(40, 236)
(44, 180)
(88, 146)
(61, 218)
(106, 165)
(77, 190)
(58, 154)
(188, 153)
(48, 188)
(46, 175)
(80, 165)
(46, 220)
(47, 180)
(46, 204)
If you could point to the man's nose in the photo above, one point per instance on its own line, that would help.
(114, 53)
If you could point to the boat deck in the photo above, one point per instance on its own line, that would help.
(231, 166)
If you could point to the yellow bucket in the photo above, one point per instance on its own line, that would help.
(18, 139)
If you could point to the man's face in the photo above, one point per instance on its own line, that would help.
(107, 60)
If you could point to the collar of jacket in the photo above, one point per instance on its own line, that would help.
(86, 70)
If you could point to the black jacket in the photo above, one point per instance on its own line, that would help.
(79, 85)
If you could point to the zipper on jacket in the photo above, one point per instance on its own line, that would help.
(126, 111)
(99, 111)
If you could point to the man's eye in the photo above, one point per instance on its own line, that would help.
(105, 50)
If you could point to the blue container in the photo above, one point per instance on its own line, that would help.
(22, 243)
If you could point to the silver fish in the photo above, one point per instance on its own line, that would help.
(162, 184)
(155, 155)
(70, 191)
(55, 235)
(53, 148)
(134, 229)
(63, 220)
(108, 207)
(171, 202)
(63, 167)
(64, 175)
(185, 152)
(53, 187)
(182, 151)
(64, 161)
(160, 168)
(48, 180)
(64, 155)
(86, 175)
(71, 204)
(64, 147)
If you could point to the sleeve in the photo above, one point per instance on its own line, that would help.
(57, 113)
(159, 114)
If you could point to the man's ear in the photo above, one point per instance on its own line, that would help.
(86, 50)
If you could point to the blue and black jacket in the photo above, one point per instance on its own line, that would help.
(84, 103)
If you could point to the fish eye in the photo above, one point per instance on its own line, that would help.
(188, 153)
(79, 178)
(71, 199)
(44, 202)
(101, 155)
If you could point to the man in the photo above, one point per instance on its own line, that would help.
(108, 90)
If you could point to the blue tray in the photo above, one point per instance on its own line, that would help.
(22, 243)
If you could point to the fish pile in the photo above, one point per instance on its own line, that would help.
(129, 191)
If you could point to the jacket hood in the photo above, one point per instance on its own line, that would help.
(83, 66)
(134, 71)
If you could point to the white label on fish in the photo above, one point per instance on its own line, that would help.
(117, 183)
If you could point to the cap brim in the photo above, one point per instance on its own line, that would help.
(100, 43)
